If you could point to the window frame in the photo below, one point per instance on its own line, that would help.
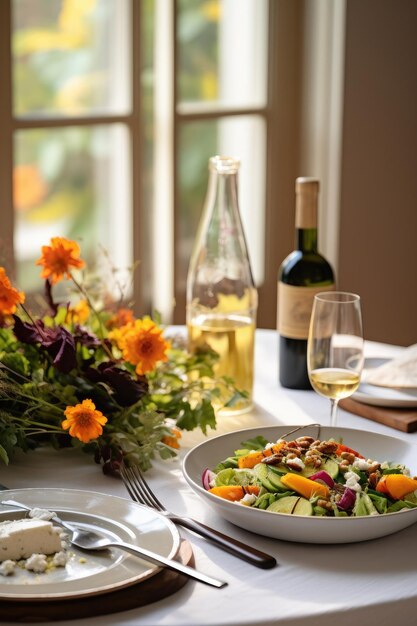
(183, 113)
(281, 115)
(131, 120)
(289, 137)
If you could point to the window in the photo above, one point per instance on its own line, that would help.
(70, 106)
(110, 110)
(207, 105)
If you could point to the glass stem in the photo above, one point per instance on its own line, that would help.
(333, 411)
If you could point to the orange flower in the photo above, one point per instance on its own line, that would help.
(172, 440)
(79, 313)
(141, 344)
(84, 421)
(9, 297)
(58, 259)
(29, 188)
(120, 318)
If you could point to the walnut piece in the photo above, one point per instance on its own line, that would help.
(274, 459)
(348, 456)
(325, 504)
(304, 442)
(327, 447)
(344, 466)
(373, 479)
(313, 461)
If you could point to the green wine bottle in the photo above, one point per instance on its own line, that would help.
(302, 274)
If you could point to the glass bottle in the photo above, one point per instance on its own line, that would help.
(222, 299)
(302, 274)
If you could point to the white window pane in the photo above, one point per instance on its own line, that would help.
(245, 137)
(73, 183)
(71, 57)
(222, 55)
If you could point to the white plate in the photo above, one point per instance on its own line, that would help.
(90, 573)
(383, 396)
(293, 527)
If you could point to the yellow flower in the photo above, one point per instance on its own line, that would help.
(141, 344)
(9, 297)
(79, 313)
(84, 421)
(212, 10)
(58, 259)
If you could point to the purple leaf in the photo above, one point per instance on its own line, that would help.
(85, 337)
(26, 332)
(127, 389)
(62, 349)
(58, 342)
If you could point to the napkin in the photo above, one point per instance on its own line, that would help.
(400, 372)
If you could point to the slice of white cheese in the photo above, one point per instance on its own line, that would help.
(19, 539)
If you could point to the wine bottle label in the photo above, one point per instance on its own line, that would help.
(294, 309)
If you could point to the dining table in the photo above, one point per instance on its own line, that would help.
(369, 583)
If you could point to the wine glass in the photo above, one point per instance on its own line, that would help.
(335, 346)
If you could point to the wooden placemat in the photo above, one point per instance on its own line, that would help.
(400, 419)
(155, 588)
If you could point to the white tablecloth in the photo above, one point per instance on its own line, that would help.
(371, 583)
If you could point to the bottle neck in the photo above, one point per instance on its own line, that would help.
(220, 276)
(306, 217)
(306, 239)
(222, 192)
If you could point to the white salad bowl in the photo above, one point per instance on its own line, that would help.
(293, 527)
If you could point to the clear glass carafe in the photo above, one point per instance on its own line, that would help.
(221, 296)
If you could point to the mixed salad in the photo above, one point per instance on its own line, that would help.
(307, 476)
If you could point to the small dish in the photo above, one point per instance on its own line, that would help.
(298, 528)
(385, 397)
(90, 573)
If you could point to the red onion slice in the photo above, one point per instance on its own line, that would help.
(348, 500)
(206, 477)
(324, 477)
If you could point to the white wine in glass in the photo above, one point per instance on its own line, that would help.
(335, 346)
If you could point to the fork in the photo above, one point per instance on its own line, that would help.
(139, 490)
(91, 540)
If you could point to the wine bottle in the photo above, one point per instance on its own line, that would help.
(221, 296)
(302, 274)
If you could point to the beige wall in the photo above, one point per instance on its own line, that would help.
(378, 236)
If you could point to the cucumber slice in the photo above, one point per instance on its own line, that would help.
(284, 505)
(303, 507)
(261, 472)
(275, 480)
(294, 505)
(329, 466)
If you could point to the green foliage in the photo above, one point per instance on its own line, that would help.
(256, 443)
(34, 394)
(53, 363)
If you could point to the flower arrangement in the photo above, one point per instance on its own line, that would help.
(90, 375)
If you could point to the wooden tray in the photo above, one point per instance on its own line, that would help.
(160, 586)
(400, 419)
